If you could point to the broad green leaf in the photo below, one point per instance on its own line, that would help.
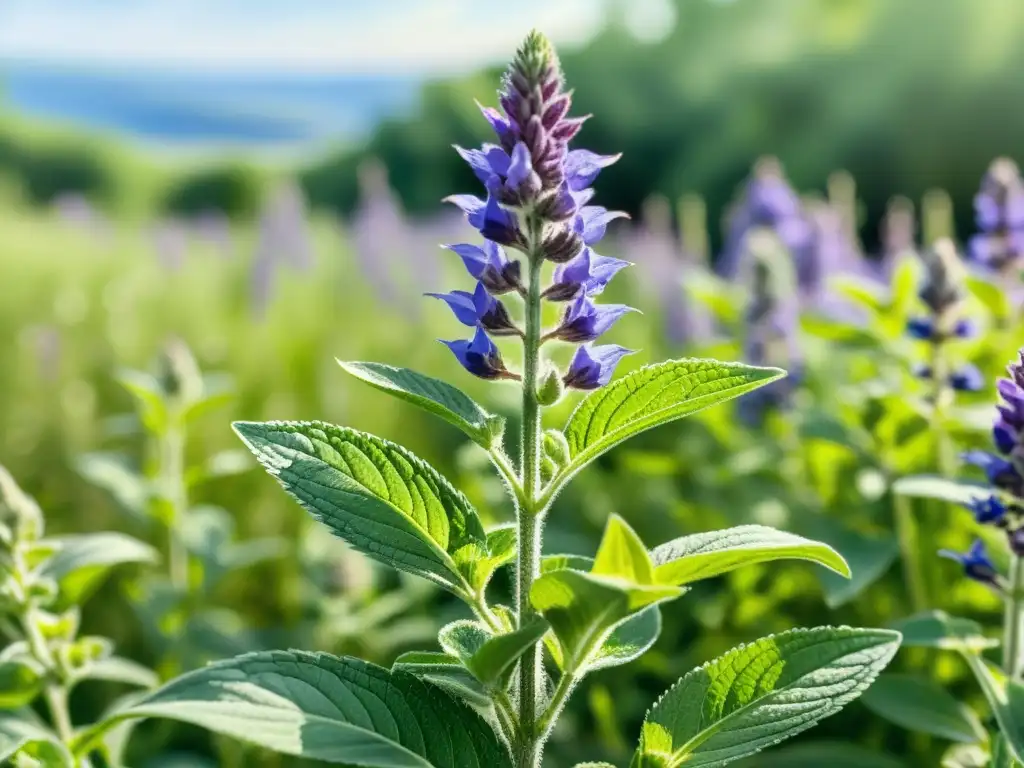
(937, 629)
(932, 487)
(112, 473)
(82, 560)
(584, 609)
(622, 554)
(1002, 755)
(823, 754)
(21, 680)
(434, 395)
(478, 562)
(217, 393)
(966, 756)
(759, 694)
(447, 672)
(339, 710)
(869, 557)
(379, 497)
(1005, 698)
(120, 670)
(149, 398)
(651, 396)
(628, 641)
(919, 704)
(704, 555)
(488, 656)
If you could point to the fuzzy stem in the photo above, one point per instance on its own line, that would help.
(530, 519)
(1014, 618)
(55, 693)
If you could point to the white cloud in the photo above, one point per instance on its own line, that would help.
(300, 35)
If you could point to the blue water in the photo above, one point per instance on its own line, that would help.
(196, 109)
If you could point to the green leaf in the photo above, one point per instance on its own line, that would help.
(993, 297)
(650, 396)
(919, 704)
(628, 641)
(937, 629)
(584, 609)
(869, 557)
(932, 487)
(1002, 755)
(379, 497)
(149, 399)
(865, 292)
(823, 754)
(478, 562)
(112, 473)
(434, 395)
(704, 555)
(759, 694)
(21, 680)
(82, 560)
(22, 731)
(314, 705)
(447, 672)
(622, 554)
(120, 670)
(1005, 698)
(489, 657)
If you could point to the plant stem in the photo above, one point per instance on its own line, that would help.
(1013, 619)
(173, 469)
(530, 519)
(907, 534)
(55, 693)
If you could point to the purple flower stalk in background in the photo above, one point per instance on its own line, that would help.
(999, 214)
(943, 293)
(976, 564)
(536, 199)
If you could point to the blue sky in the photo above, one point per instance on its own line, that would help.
(341, 36)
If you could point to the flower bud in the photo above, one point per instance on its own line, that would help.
(556, 447)
(548, 470)
(550, 389)
(179, 374)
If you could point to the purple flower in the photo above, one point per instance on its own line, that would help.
(583, 166)
(920, 328)
(490, 160)
(593, 366)
(592, 222)
(967, 378)
(585, 321)
(976, 563)
(479, 308)
(493, 222)
(589, 272)
(987, 510)
(999, 214)
(1000, 472)
(489, 265)
(480, 356)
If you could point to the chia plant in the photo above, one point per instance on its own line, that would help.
(494, 692)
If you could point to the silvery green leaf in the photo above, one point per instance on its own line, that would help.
(489, 657)
(120, 670)
(760, 694)
(941, 488)
(112, 473)
(704, 555)
(434, 395)
(379, 497)
(22, 731)
(21, 680)
(650, 396)
(919, 704)
(336, 709)
(82, 560)
(149, 399)
(937, 629)
(478, 562)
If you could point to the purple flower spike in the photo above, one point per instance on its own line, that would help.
(489, 161)
(480, 357)
(582, 167)
(489, 265)
(522, 182)
(999, 214)
(585, 321)
(589, 272)
(479, 308)
(1000, 472)
(988, 511)
(592, 366)
(461, 304)
(967, 379)
(976, 563)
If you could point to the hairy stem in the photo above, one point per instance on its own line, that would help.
(55, 693)
(1013, 619)
(530, 519)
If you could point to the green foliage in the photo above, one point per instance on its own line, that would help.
(918, 704)
(235, 190)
